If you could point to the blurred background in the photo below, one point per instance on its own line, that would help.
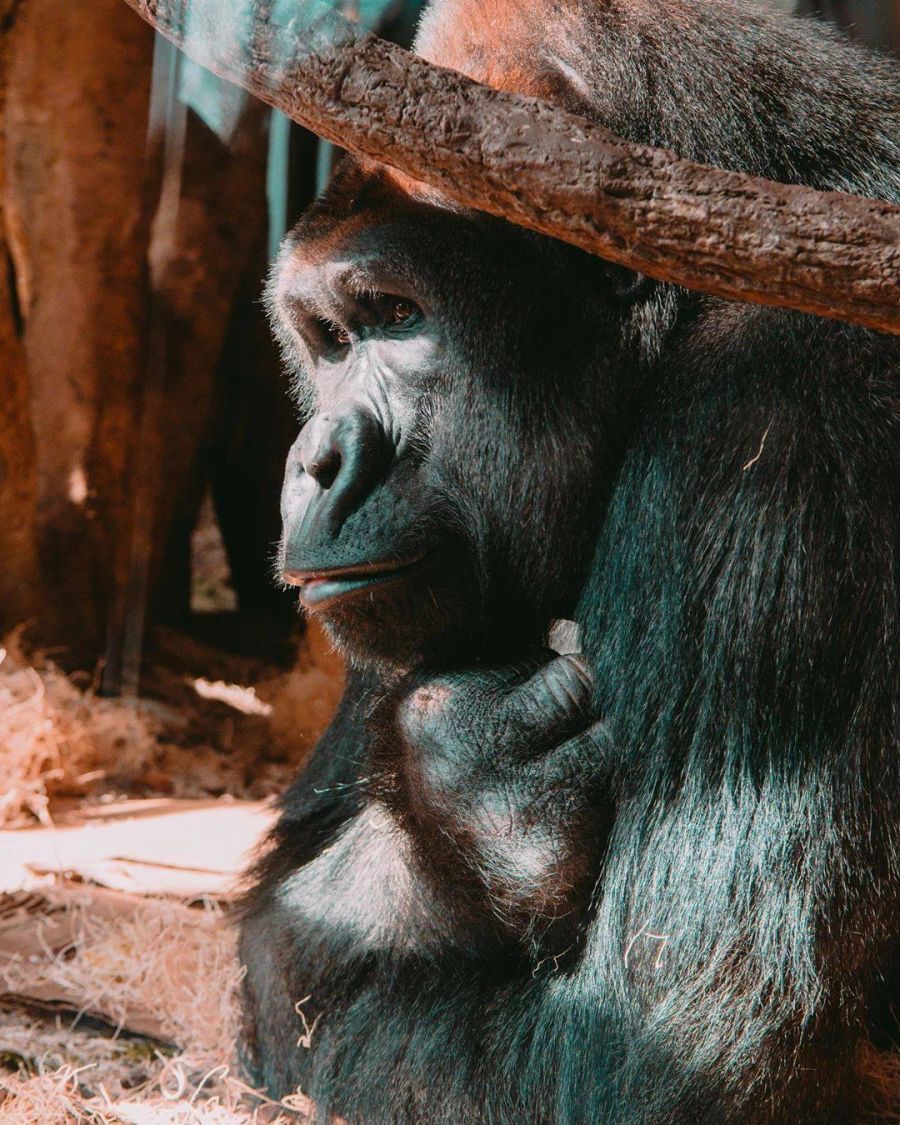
(144, 423)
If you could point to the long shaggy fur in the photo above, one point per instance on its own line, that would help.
(741, 618)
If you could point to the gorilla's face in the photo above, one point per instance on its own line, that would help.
(444, 494)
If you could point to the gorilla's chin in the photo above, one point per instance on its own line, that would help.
(439, 613)
(399, 643)
(427, 612)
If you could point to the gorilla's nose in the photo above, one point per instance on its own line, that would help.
(344, 452)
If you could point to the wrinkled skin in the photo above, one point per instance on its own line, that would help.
(397, 490)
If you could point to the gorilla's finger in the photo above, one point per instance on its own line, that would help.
(551, 706)
(501, 679)
(582, 765)
(477, 689)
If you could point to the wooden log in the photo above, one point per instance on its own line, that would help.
(18, 599)
(724, 233)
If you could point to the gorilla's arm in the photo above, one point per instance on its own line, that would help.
(451, 819)
(481, 788)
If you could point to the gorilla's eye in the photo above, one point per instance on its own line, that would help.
(394, 312)
(402, 311)
(335, 335)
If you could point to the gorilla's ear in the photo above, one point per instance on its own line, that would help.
(572, 70)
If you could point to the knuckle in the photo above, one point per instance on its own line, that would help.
(424, 712)
(597, 739)
(441, 723)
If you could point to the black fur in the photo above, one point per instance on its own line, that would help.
(659, 884)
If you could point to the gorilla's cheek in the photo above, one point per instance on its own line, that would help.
(530, 511)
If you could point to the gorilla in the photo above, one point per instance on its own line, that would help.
(656, 879)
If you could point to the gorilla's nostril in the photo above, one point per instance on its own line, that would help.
(324, 470)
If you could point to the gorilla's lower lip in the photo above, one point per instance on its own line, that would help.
(320, 587)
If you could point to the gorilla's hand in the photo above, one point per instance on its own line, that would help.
(499, 777)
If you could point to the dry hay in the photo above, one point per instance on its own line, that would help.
(199, 733)
(61, 744)
(173, 967)
(165, 966)
(55, 739)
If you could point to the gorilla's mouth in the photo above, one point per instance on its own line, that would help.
(319, 589)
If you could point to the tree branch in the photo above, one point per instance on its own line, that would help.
(724, 233)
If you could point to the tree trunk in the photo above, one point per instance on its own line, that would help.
(18, 560)
(113, 313)
(221, 225)
(74, 118)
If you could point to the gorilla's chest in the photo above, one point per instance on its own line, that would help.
(365, 886)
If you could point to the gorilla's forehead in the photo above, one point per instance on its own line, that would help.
(370, 231)
(363, 195)
(318, 281)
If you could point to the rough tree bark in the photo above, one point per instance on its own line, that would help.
(17, 465)
(723, 233)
